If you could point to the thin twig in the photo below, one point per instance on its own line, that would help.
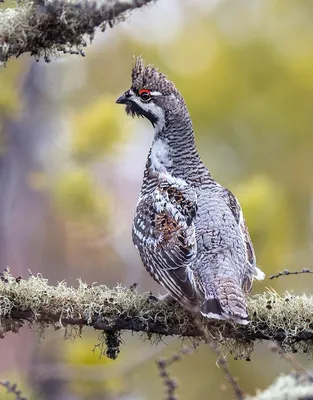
(290, 358)
(221, 360)
(286, 273)
(12, 388)
(170, 383)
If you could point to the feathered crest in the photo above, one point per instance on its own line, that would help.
(150, 78)
(138, 67)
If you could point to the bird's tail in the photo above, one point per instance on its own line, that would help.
(225, 300)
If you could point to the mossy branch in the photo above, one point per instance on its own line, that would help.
(287, 319)
(294, 386)
(46, 27)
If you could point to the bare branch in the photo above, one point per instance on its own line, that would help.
(286, 273)
(45, 27)
(12, 388)
(221, 360)
(163, 363)
(290, 358)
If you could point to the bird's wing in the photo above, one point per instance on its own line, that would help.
(164, 233)
(236, 210)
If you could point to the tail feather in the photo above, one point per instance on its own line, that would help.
(226, 301)
(211, 308)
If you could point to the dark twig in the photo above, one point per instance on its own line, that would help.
(286, 273)
(12, 388)
(290, 358)
(221, 361)
(170, 383)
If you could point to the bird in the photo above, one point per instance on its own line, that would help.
(189, 230)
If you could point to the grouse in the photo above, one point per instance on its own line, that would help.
(189, 230)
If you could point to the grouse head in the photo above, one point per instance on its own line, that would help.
(151, 95)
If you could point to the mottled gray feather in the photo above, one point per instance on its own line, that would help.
(189, 230)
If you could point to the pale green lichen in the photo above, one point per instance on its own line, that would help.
(287, 387)
(287, 319)
(61, 306)
(45, 28)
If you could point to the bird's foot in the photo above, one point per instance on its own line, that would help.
(167, 298)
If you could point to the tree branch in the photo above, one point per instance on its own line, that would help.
(287, 387)
(12, 388)
(287, 319)
(46, 27)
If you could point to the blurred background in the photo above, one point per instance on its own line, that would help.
(71, 164)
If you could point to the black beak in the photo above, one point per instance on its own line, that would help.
(124, 99)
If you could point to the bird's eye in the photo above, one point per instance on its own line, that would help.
(144, 94)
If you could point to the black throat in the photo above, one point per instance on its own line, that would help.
(134, 110)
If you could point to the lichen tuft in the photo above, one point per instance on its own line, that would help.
(46, 28)
(288, 387)
(286, 319)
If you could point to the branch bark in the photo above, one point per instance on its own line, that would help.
(287, 319)
(46, 27)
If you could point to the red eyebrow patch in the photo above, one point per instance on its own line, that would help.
(144, 91)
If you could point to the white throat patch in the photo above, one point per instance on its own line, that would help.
(160, 159)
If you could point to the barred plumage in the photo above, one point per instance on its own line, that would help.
(189, 230)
